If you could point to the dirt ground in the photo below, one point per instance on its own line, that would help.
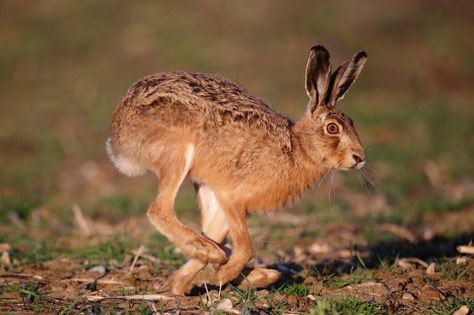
(416, 271)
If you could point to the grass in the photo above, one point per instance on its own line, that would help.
(298, 289)
(452, 271)
(357, 277)
(451, 305)
(345, 306)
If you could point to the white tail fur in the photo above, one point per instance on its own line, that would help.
(124, 165)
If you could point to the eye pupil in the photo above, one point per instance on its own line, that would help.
(332, 128)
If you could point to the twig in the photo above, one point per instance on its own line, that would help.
(399, 231)
(146, 297)
(20, 275)
(146, 256)
(100, 281)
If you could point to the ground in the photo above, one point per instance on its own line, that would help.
(74, 237)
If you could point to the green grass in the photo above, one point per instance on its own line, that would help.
(298, 289)
(452, 271)
(356, 277)
(104, 251)
(30, 252)
(21, 207)
(345, 306)
(451, 305)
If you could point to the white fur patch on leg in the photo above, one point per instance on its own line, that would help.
(210, 206)
(124, 165)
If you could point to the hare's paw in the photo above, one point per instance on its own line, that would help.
(259, 278)
(205, 250)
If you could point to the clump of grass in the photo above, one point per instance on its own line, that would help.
(357, 277)
(30, 295)
(33, 251)
(298, 289)
(345, 306)
(435, 205)
(453, 271)
(451, 305)
(245, 298)
(106, 250)
(22, 207)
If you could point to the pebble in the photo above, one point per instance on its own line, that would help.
(463, 310)
(431, 293)
(408, 296)
(431, 270)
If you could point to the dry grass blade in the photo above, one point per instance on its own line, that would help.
(137, 255)
(146, 256)
(81, 220)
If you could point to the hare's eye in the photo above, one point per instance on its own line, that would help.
(332, 128)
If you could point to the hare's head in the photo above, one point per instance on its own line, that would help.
(336, 134)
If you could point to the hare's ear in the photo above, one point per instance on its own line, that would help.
(343, 77)
(318, 69)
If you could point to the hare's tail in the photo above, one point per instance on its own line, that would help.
(125, 165)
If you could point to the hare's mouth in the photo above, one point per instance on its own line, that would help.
(359, 165)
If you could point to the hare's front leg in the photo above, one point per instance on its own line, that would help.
(214, 226)
(162, 216)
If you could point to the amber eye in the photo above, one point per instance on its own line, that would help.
(332, 128)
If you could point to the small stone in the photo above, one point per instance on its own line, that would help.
(431, 293)
(461, 260)
(463, 310)
(311, 297)
(98, 269)
(225, 305)
(408, 296)
(431, 270)
(6, 260)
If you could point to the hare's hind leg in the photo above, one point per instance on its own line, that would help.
(214, 226)
(162, 216)
(242, 247)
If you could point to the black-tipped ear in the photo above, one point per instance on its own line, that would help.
(344, 76)
(318, 69)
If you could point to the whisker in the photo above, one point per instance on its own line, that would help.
(333, 174)
(368, 180)
(364, 184)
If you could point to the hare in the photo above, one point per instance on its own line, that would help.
(241, 155)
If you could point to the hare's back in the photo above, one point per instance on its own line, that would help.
(203, 100)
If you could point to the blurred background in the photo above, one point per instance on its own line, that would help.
(65, 65)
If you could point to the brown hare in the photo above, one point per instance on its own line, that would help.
(241, 154)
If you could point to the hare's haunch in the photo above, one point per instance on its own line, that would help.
(241, 154)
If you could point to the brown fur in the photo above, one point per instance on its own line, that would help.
(242, 155)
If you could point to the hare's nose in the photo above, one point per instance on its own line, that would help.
(356, 158)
